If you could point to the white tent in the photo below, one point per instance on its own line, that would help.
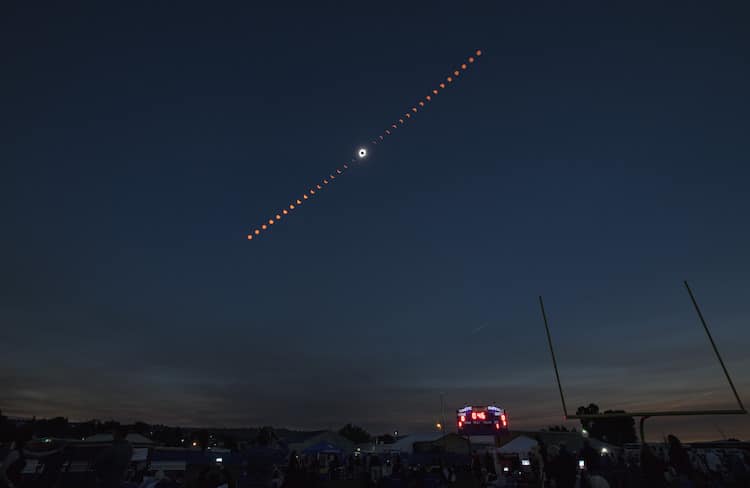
(520, 445)
(406, 444)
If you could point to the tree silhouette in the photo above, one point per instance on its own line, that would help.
(54, 427)
(356, 434)
(615, 430)
(7, 429)
(201, 437)
(142, 428)
(266, 437)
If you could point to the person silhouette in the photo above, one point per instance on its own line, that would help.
(113, 461)
(12, 467)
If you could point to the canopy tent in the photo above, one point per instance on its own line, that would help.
(324, 447)
(406, 443)
(519, 445)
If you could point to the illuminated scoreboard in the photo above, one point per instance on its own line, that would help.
(487, 420)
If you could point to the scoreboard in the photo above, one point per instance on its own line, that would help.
(487, 420)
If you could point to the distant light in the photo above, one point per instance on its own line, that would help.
(362, 153)
(195, 444)
(605, 450)
(439, 426)
(584, 432)
(395, 433)
(506, 469)
(219, 460)
(581, 464)
(525, 462)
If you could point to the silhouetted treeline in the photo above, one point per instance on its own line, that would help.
(615, 430)
(62, 428)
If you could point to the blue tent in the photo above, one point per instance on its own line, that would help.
(324, 447)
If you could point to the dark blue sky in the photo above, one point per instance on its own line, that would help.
(595, 155)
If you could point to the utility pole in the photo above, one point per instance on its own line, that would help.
(442, 412)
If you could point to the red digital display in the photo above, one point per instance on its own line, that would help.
(480, 415)
(481, 420)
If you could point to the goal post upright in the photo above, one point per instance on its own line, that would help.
(646, 414)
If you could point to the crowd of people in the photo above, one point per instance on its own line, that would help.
(368, 470)
(674, 465)
(556, 466)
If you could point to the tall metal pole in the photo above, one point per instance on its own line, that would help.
(552, 353)
(643, 430)
(442, 413)
(713, 344)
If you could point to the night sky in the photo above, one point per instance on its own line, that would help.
(594, 155)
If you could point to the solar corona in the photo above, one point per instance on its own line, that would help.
(363, 152)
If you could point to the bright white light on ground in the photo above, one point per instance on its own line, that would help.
(362, 153)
